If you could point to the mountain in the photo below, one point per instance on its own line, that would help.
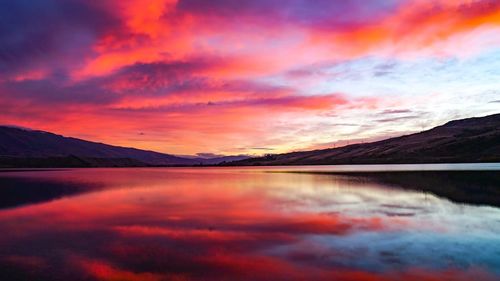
(220, 159)
(467, 140)
(30, 148)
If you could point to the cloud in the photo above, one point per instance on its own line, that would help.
(384, 69)
(50, 34)
(396, 119)
(284, 103)
(395, 111)
(319, 14)
(240, 71)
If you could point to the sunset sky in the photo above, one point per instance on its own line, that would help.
(246, 76)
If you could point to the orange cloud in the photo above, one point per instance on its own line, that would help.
(217, 70)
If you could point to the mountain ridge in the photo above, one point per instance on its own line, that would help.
(474, 139)
(22, 147)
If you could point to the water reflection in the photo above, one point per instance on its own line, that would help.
(228, 224)
(468, 187)
(18, 191)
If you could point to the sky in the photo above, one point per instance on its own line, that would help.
(248, 76)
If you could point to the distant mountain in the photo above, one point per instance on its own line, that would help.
(220, 159)
(21, 147)
(466, 140)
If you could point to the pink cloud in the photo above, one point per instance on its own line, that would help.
(189, 70)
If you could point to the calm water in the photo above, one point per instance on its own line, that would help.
(252, 223)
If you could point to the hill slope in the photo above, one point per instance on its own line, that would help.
(24, 148)
(466, 140)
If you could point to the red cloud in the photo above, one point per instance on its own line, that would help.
(213, 70)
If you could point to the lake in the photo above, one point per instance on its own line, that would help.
(364, 222)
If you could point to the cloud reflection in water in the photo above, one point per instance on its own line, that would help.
(227, 224)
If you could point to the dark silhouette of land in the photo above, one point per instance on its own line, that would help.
(19, 191)
(469, 140)
(30, 148)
